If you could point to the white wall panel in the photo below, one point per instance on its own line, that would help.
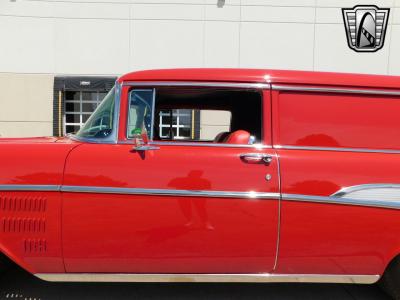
(221, 48)
(62, 9)
(167, 12)
(293, 3)
(87, 1)
(27, 45)
(394, 59)
(333, 54)
(278, 14)
(224, 13)
(395, 15)
(85, 46)
(351, 3)
(91, 10)
(277, 45)
(166, 44)
(26, 8)
(222, 3)
(168, 1)
(331, 15)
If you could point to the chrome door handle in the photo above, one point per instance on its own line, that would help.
(145, 148)
(256, 158)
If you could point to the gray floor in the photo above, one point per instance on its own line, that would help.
(17, 284)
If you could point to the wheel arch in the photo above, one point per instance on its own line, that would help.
(8, 258)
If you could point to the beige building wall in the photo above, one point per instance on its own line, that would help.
(213, 122)
(26, 105)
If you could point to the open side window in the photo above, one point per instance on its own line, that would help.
(216, 115)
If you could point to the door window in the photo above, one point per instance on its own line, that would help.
(208, 115)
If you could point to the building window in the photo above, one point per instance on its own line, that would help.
(78, 106)
(181, 125)
(75, 99)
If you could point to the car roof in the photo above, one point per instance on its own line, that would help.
(266, 76)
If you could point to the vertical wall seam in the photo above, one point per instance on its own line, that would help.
(390, 35)
(315, 28)
(240, 32)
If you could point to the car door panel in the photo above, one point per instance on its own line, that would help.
(153, 233)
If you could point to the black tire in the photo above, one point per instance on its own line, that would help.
(390, 281)
(4, 263)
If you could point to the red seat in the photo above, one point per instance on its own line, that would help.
(238, 137)
(221, 137)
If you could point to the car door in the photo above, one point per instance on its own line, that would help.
(173, 208)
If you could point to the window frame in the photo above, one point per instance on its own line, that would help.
(266, 111)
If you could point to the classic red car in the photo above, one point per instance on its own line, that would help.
(301, 185)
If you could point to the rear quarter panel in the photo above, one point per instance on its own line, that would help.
(336, 238)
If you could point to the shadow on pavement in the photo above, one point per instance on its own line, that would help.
(17, 284)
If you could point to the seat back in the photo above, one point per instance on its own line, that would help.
(238, 137)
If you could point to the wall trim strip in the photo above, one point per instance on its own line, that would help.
(265, 277)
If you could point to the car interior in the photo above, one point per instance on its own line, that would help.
(244, 105)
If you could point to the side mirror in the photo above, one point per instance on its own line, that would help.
(141, 141)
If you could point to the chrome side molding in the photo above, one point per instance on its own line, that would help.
(338, 149)
(367, 195)
(168, 192)
(250, 278)
(371, 192)
(343, 201)
(30, 188)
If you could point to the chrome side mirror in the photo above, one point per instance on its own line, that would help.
(142, 142)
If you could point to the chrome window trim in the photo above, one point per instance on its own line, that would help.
(279, 87)
(250, 278)
(202, 144)
(339, 149)
(113, 137)
(141, 84)
(242, 85)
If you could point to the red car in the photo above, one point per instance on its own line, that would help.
(300, 184)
